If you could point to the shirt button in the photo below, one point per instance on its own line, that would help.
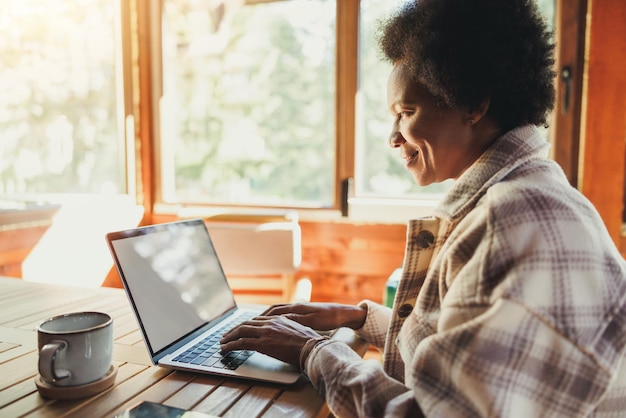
(405, 310)
(425, 239)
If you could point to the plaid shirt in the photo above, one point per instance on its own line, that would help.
(512, 303)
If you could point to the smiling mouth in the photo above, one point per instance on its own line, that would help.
(408, 158)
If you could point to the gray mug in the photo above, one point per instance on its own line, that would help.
(75, 348)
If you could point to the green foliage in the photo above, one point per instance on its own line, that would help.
(269, 92)
(248, 113)
(58, 126)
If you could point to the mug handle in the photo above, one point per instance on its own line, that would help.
(47, 357)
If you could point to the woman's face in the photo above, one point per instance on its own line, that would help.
(435, 143)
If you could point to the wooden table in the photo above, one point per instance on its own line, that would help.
(24, 304)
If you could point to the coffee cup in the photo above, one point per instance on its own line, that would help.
(75, 348)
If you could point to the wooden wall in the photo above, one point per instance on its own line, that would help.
(15, 244)
(603, 149)
(346, 262)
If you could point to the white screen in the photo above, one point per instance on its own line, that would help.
(175, 280)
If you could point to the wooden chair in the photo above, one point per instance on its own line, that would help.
(260, 255)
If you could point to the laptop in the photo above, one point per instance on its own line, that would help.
(181, 298)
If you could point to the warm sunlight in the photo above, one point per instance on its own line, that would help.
(73, 250)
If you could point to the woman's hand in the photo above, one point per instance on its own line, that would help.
(321, 316)
(276, 336)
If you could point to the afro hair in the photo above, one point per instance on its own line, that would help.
(467, 51)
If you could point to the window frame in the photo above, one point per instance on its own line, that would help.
(122, 66)
(570, 32)
(147, 89)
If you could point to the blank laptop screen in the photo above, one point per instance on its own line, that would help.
(174, 278)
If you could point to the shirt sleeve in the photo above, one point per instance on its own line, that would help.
(506, 362)
(510, 362)
(354, 387)
(376, 324)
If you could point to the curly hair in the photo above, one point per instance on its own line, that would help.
(465, 51)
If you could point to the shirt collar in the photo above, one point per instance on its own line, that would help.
(508, 152)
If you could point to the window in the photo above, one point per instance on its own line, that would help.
(247, 115)
(59, 127)
(249, 98)
(378, 170)
(253, 108)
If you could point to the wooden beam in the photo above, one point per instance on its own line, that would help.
(148, 58)
(604, 112)
(346, 73)
(570, 22)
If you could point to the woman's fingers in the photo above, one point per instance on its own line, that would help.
(284, 308)
(240, 344)
(321, 316)
(248, 329)
(276, 336)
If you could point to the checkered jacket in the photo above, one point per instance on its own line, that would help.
(512, 303)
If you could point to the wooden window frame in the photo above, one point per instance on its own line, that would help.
(570, 24)
(603, 122)
(589, 135)
(568, 119)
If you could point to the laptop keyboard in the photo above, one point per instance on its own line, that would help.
(207, 351)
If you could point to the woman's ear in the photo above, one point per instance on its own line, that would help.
(476, 114)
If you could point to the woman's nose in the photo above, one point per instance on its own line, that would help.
(395, 139)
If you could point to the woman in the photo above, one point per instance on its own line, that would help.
(512, 300)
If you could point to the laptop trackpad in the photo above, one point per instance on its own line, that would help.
(262, 361)
(265, 367)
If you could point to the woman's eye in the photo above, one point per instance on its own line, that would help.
(404, 115)
(400, 116)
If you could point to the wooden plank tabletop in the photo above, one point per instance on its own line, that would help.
(23, 305)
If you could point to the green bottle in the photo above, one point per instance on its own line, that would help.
(391, 287)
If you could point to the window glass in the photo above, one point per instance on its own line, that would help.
(547, 9)
(247, 115)
(58, 107)
(379, 171)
